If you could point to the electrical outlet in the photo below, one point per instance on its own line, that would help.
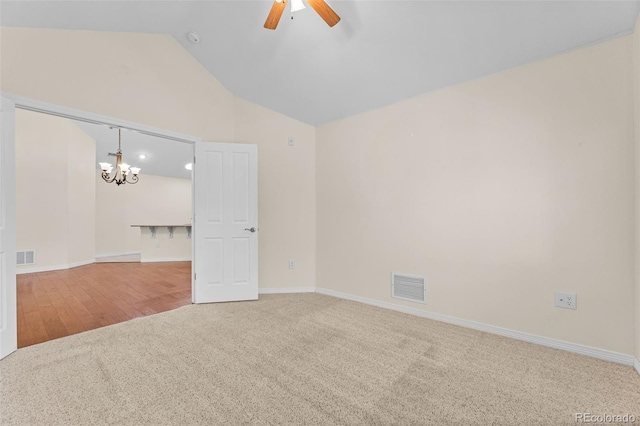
(291, 141)
(292, 264)
(566, 300)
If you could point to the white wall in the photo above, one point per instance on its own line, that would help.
(499, 191)
(151, 79)
(153, 200)
(55, 193)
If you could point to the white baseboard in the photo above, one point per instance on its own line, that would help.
(166, 259)
(32, 269)
(603, 354)
(286, 290)
(636, 364)
(125, 253)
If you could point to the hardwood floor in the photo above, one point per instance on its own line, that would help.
(60, 303)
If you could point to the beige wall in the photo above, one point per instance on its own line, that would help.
(81, 196)
(636, 92)
(153, 200)
(144, 78)
(55, 194)
(67, 213)
(288, 214)
(151, 79)
(164, 247)
(499, 191)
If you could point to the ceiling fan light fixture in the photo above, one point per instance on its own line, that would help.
(320, 6)
(296, 5)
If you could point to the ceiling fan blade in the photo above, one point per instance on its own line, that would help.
(274, 14)
(325, 12)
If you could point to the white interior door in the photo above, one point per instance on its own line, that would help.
(225, 222)
(8, 321)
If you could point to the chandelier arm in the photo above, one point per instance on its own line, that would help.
(133, 180)
(107, 178)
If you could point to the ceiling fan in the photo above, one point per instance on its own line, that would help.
(320, 6)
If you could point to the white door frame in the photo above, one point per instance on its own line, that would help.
(89, 117)
(8, 291)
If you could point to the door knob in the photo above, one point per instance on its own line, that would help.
(252, 229)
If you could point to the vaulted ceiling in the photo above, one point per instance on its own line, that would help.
(381, 52)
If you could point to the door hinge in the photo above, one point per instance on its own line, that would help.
(194, 276)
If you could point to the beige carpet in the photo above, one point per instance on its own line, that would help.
(303, 359)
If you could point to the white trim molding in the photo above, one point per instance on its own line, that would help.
(166, 259)
(90, 117)
(636, 364)
(285, 290)
(126, 253)
(589, 351)
(30, 270)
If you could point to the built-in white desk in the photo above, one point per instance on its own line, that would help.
(165, 243)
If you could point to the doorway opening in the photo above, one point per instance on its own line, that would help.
(99, 253)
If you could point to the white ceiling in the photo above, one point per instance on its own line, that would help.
(163, 157)
(381, 52)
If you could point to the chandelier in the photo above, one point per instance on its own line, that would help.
(123, 173)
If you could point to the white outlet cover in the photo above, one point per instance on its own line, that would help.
(292, 264)
(291, 141)
(566, 300)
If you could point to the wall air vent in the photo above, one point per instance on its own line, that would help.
(26, 257)
(408, 287)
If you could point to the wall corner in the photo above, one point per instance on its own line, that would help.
(636, 120)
